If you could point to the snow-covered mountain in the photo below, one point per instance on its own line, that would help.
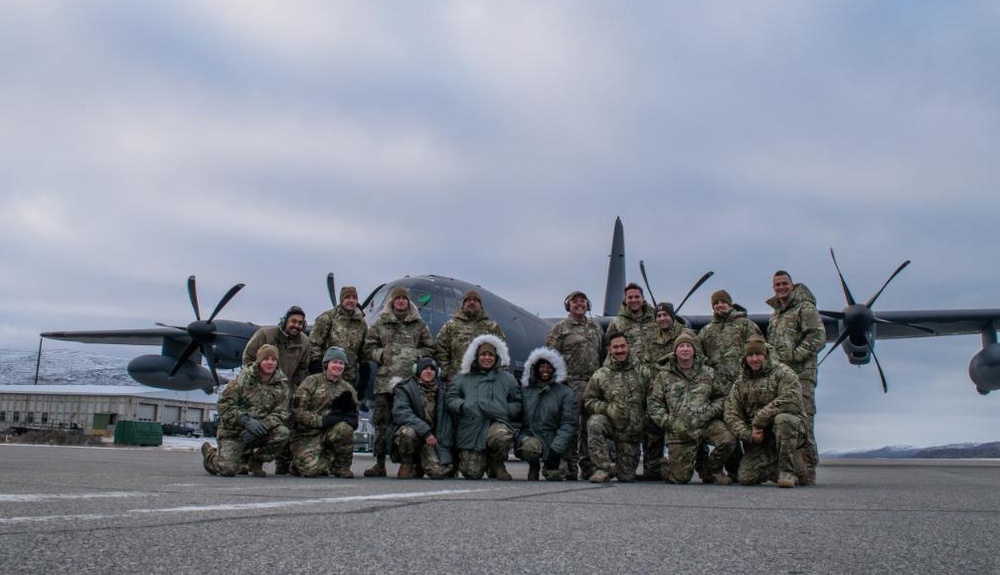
(62, 367)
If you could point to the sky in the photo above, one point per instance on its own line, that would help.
(496, 142)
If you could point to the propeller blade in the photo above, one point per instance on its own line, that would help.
(210, 357)
(843, 335)
(881, 374)
(843, 282)
(225, 299)
(693, 289)
(368, 299)
(331, 286)
(922, 328)
(833, 314)
(642, 270)
(190, 349)
(193, 294)
(894, 274)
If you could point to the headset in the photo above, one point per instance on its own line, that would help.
(575, 293)
(294, 310)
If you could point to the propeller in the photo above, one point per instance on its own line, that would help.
(693, 289)
(331, 286)
(858, 319)
(203, 332)
(642, 270)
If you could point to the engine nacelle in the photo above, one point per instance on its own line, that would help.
(154, 371)
(984, 369)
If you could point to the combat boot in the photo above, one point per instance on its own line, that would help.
(207, 451)
(786, 479)
(281, 467)
(500, 472)
(256, 467)
(721, 479)
(554, 475)
(343, 473)
(600, 476)
(405, 471)
(377, 470)
(534, 468)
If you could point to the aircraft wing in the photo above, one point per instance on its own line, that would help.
(943, 322)
(147, 336)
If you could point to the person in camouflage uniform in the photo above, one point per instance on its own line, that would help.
(293, 345)
(551, 415)
(687, 401)
(253, 409)
(454, 336)
(325, 415)
(397, 339)
(764, 410)
(422, 432)
(486, 400)
(616, 399)
(579, 340)
(723, 340)
(796, 332)
(344, 327)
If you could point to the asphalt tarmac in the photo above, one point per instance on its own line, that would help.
(132, 510)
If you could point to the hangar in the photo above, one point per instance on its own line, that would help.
(97, 408)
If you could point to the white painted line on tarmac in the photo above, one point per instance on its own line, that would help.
(237, 506)
(35, 497)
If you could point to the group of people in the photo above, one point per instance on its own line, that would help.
(724, 402)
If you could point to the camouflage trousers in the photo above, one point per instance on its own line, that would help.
(227, 458)
(577, 457)
(499, 439)
(381, 417)
(412, 449)
(810, 453)
(778, 453)
(610, 453)
(324, 452)
(531, 449)
(683, 454)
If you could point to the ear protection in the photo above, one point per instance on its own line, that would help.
(570, 296)
(294, 310)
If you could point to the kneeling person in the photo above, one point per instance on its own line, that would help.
(325, 414)
(421, 428)
(764, 410)
(687, 402)
(486, 400)
(253, 408)
(551, 415)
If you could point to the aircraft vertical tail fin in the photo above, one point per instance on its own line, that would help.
(616, 271)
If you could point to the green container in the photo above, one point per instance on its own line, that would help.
(143, 433)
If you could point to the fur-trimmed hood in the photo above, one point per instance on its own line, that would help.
(548, 354)
(503, 354)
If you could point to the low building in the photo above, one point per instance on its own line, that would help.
(97, 408)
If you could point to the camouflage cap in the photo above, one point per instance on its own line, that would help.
(472, 294)
(265, 351)
(399, 292)
(348, 291)
(486, 347)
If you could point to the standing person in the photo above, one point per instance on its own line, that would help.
(796, 333)
(687, 401)
(397, 339)
(325, 415)
(616, 399)
(723, 340)
(579, 340)
(421, 433)
(551, 415)
(253, 409)
(293, 345)
(454, 336)
(486, 400)
(764, 410)
(344, 327)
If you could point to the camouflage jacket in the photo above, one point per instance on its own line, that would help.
(455, 335)
(723, 340)
(246, 394)
(581, 344)
(796, 332)
(317, 396)
(683, 404)
(618, 390)
(661, 345)
(757, 398)
(341, 328)
(640, 330)
(395, 345)
(293, 354)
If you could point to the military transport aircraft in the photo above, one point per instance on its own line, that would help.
(220, 342)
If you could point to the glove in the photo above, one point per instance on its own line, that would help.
(315, 366)
(344, 403)
(553, 460)
(247, 438)
(255, 427)
(331, 419)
